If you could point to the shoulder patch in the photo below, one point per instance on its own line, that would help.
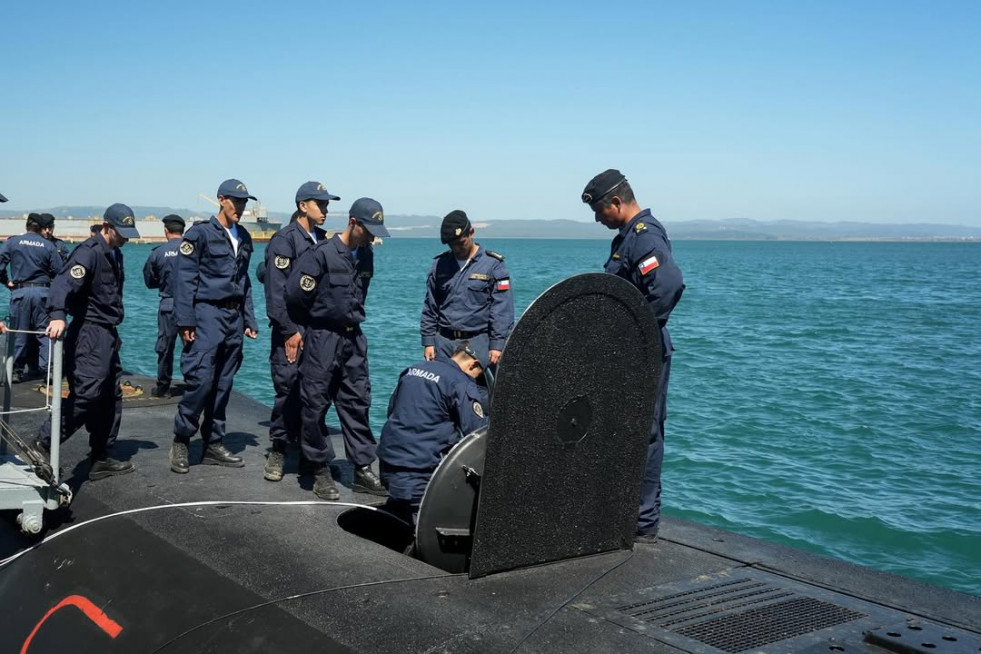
(308, 283)
(496, 255)
(640, 227)
(78, 272)
(281, 262)
(186, 248)
(503, 284)
(478, 409)
(648, 264)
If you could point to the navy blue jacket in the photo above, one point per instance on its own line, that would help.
(475, 298)
(433, 406)
(32, 259)
(285, 247)
(208, 270)
(61, 246)
(641, 254)
(90, 285)
(327, 287)
(158, 271)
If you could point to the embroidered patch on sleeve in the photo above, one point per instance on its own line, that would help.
(282, 262)
(186, 248)
(78, 272)
(648, 264)
(308, 283)
(478, 409)
(503, 285)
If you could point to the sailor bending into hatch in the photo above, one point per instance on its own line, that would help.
(434, 404)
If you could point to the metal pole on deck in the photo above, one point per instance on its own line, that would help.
(56, 372)
(8, 380)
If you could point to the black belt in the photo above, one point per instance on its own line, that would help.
(334, 327)
(223, 304)
(31, 285)
(456, 334)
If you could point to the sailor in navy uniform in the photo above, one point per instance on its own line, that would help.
(213, 309)
(158, 272)
(90, 288)
(468, 295)
(641, 254)
(326, 292)
(47, 231)
(33, 264)
(433, 406)
(286, 336)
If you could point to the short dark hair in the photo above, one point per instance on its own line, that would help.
(175, 228)
(623, 191)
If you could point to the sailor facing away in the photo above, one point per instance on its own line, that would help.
(33, 263)
(641, 254)
(90, 288)
(468, 295)
(158, 272)
(434, 405)
(213, 310)
(326, 293)
(285, 335)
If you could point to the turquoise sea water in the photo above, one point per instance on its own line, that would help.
(823, 395)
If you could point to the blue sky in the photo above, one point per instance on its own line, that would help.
(769, 110)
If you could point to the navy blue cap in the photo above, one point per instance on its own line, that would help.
(173, 222)
(455, 224)
(46, 220)
(120, 217)
(313, 191)
(232, 188)
(2, 199)
(602, 185)
(370, 214)
(477, 351)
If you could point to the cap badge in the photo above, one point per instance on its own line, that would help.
(379, 216)
(320, 187)
(186, 248)
(282, 262)
(241, 187)
(78, 272)
(308, 283)
(127, 220)
(478, 409)
(457, 231)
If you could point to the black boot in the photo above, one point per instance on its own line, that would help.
(160, 390)
(323, 485)
(103, 466)
(179, 462)
(366, 481)
(217, 454)
(274, 466)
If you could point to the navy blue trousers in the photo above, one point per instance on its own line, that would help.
(94, 399)
(28, 311)
(406, 489)
(650, 490)
(334, 369)
(209, 364)
(166, 342)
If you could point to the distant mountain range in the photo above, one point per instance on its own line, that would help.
(729, 229)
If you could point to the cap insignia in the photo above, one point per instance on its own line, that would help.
(457, 231)
(320, 187)
(379, 216)
(478, 409)
(78, 272)
(241, 187)
(282, 262)
(308, 283)
(127, 220)
(186, 248)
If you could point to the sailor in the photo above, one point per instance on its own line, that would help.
(213, 309)
(158, 272)
(33, 263)
(286, 336)
(641, 254)
(90, 288)
(48, 232)
(434, 405)
(326, 292)
(468, 295)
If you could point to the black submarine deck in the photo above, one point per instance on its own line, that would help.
(287, 578)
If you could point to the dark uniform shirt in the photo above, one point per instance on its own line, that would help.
(208, 270)
(641, 254)
(434, 404)
(284, 249)
(158, 271)
(328, 286)
(90, 286)
(61, 246)
(475, 298)
(32, 259)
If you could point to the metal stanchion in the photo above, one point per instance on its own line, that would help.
(8, 380)
(56, 372)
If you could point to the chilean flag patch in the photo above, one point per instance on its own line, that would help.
(649, 264)
(503, 285)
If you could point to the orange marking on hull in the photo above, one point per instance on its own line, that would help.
(91, 611)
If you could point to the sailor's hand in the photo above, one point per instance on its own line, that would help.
(187, 334)
(293, 346)
(3, 328)
(55, 329)
(495, 356)
(251, 333)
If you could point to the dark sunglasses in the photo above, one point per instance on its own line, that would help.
(587, 197)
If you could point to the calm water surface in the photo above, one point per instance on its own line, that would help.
(823, 395)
